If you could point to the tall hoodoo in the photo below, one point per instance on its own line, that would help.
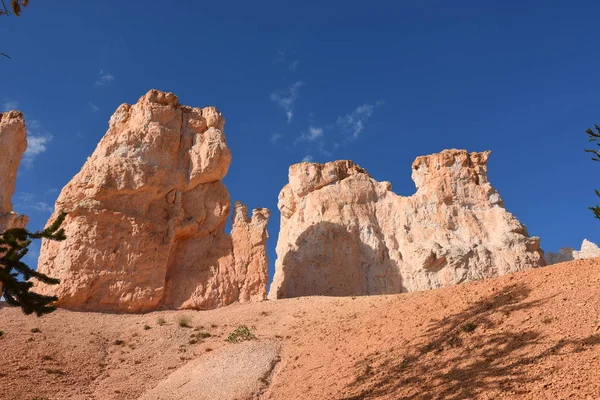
(13, 142)
(147, 213)
(343, 233)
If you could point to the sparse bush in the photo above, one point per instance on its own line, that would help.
(240, 334)
(184, 321)
(161, 321)
(468, 327)
(1, 333)
(119, 342)
(146, 327)
(35, 330)
(592, 137)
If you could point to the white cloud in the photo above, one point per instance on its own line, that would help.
(93, 107)
(104, 78)
(36, 145)
(9, 105)
(307, 158)
(354, 122)
(313, 133)
(42, 206)
(275, 137)
(27, 201)
(286, 99)
(51, 191)
(294, 65)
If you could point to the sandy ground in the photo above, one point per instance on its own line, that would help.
(531, 335)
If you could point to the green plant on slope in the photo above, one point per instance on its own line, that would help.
(240, 334)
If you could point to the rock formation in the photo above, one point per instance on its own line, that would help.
(588, 250)
(146, 218)
(343, 233)
(13, 142)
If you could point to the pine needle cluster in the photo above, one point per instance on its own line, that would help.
(594, 136)
(15, 275)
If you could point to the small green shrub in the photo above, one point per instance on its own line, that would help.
(240, 334)
(184, 321)
(119, 342)
(35, 330)
(146, 327)
(161, 321)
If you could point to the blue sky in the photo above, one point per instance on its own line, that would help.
(378, 82)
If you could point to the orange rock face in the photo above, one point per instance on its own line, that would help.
(343, 233)
(13, 142)
(147, 212)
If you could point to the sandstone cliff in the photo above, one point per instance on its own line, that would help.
(343, 233)
(13, 142)
(588, 250)
(147, 212)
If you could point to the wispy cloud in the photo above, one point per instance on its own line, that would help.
(93, 107)
(286, 99)
(36, 145)
(8, 105)
(280, 57)
(37, 140)
(314, 133)
(103, 79)
(275, 137)
(307, 158)
(354, 123)
(29, 201)
(294, 65)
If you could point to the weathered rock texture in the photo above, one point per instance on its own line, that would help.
(588, 250)
(147, 212)
(13, 142)
(343, 233)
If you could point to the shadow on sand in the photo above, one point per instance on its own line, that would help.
(466, 355)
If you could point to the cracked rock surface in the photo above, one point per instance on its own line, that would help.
(345, 234)
(146, 218)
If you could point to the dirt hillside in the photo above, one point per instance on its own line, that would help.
(531, 335)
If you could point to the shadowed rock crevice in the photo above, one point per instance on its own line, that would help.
(332, 270)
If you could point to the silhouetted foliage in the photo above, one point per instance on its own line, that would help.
(16, 7)
(15, 275)
(594, 136)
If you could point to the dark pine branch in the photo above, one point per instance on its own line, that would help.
(592, 137)
(15, 275)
